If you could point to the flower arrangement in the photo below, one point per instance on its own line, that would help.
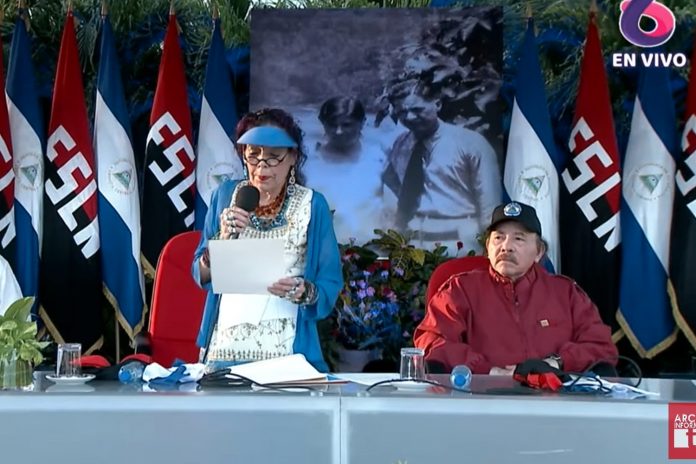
(383, 297)
(367, 311)
(411, 268)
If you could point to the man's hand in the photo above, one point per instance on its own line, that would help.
(507, 370)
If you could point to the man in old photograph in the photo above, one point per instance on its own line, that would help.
(445, 178)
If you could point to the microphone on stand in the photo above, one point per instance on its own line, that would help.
(247, 199)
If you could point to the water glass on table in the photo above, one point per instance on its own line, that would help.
(412, 364)
(68, 360)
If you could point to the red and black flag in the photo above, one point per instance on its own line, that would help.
(169, 180)
(591, 188)
(682, 264)
(8, 232)
(70, 282)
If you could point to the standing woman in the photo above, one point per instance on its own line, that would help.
(243, 328)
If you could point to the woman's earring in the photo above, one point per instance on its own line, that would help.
(291, 182)
(245, 172)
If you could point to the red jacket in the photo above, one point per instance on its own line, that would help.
(482, 319)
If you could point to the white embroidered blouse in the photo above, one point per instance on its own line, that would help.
(258, 327)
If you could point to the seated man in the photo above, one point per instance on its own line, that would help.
(493, 319)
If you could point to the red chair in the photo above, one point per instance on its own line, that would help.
(450, 267)
(177, 303)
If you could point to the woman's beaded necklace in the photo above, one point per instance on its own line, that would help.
(272, 208)
(272, 215)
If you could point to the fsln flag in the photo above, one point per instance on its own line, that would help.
(216, 159)
(7, 180)
(532, 161)
(646, 216)
(119, 200)
(71, 285)
(682, 262)
(27, 133)
(169, 179)
(590, 188)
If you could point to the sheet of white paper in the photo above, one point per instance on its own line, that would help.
(246, 266)
(291, 368)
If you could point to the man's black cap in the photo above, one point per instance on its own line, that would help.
(516, 211)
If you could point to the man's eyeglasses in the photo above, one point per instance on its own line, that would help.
(270, 160)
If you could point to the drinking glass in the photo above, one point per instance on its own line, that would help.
(412, 364)
(68, 360)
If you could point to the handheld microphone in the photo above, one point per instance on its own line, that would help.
(247, 199)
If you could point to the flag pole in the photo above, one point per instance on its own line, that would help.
(117, 333)
(22, 6)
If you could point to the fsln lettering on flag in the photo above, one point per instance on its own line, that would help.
(169, 179)
(682, 290)
(7, 181)
(70, 217)
(590, 190)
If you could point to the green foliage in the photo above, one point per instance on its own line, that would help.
(139, 27)
(18, 333)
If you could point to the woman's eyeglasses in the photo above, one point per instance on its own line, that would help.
(270, 160)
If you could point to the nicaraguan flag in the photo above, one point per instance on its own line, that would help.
(27, 129)
(646, 216)
(532, 161)
(119, 201)
(216, 159)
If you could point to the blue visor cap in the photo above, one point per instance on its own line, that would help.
(267, 136)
